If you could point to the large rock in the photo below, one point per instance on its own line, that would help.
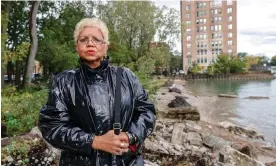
(178, 135)
(184, 113)
(174, 89)
(244, 132)
(52, 151)
(228, 96)
(257, 97)
(214, 142)
(194, 138)
(162, 148)
(228, 154)
(179, 101)
(245, 148)
(192, 126)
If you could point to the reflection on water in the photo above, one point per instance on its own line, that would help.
(259, 114)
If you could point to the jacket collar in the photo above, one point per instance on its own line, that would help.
(92, 74)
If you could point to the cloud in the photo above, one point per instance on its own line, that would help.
(256, 27)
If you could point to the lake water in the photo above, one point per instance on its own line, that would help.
(257, 114)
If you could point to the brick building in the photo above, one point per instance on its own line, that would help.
(209, 28)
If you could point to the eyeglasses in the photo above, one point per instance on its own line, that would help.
(85, 40)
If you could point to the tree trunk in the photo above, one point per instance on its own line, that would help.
(18, 73)
(4, 25)
(33, 47)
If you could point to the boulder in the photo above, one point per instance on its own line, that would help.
(228, 96)
(194, 139)
(245, 148)
(256, 97)
(244, 132)
(55, 153)
(179, 101)
(214, 142)
(227, 154)
(176, 90)
(184, 113)
(192, 126)
(178, 135)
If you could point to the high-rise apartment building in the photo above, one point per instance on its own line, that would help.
(209, 28)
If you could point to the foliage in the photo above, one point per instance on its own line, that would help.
(229, 64)
(263, 60)
(20, 110)
(19, 53)
(146, 65)
(195, 68)
(176, 60)
(273, 61)
(249, 61)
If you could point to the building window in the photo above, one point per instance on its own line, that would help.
(229, 2)
(229, 10)
(219, 27)
(188, 30)
(229, 51)
(205, 28)
(229, 18)
(230, 43)
(205, 60)
(216, 27)
(198, 60)
(230, 26)
(189, 61)
(204, 20)
(189, 45)
(188, 7)
(230, 34)
(189, 38)
(189, 53)
(201, 28)
(188, 22)
(219, 19)
(188, 15)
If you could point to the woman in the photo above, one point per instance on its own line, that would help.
(79, 115)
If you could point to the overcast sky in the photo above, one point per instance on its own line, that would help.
(256, 25)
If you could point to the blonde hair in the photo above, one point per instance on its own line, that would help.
(91, 22)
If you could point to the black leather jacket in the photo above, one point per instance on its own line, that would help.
(67, 123)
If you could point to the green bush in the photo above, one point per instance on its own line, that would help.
(20, 110)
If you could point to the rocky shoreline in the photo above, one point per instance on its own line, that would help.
(181, 138)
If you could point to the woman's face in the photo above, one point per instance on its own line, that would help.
(91, 46)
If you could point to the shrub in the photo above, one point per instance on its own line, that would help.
(20, 110)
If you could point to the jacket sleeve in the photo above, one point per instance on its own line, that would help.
(54, 121)
(144, 115)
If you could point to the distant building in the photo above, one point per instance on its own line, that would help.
(209, 28)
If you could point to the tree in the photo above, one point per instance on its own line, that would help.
(229, 64)
(4, 20)
(249, 61)
(263, 60)
(195, 68)
(33, 47)
(273, 61)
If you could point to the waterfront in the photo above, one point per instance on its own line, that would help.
(257, 114)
